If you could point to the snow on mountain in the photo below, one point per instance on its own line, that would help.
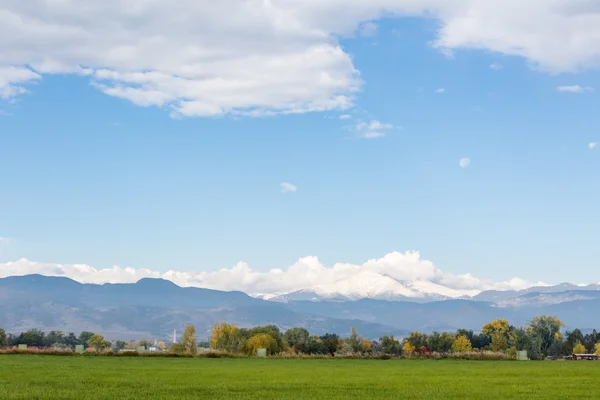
(372, 285)
(433, 289)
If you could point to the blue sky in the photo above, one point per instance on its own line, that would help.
(96, 179)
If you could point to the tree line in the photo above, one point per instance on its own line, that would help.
(542, 337)
(59, 340)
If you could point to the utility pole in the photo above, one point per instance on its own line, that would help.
(174, 336)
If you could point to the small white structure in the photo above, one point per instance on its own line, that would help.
(261, 352)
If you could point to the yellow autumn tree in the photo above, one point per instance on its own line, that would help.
(162, 345)
(261, 341)
(97, 342)
(409, 348)
(499, 342)
(579, 349)
(366, 345)
(462, 345)
(500, 325)
(224, 337)
(188, 341)
(597, 349)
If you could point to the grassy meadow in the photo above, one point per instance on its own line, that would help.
(54, 377)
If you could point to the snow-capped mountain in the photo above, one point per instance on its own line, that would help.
(376, 286)
(372, 285)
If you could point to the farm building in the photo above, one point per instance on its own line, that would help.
(585, 357)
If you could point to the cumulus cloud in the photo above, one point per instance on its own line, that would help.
(574, 89)
(372, 130)
(288, 188)
(306, 273)
(254, 57)
(593, 145)
(465, 162)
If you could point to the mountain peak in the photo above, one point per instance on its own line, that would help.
(156, 282)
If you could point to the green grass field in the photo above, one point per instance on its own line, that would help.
(52, 377)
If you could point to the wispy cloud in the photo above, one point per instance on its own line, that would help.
(372, 130)
(368, 29)
(465, 162)
(574, 89)
(593, 145)
(287, 187)
(345, 116)
(373, 135)
(440, 90)
(496, 66)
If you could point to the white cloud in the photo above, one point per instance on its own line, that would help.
(368, 29)
(372, 130)
(306, 273)
(574, 89)
(465, 162)
(440, 90)
(345, 116)
(257, 58)
(496, 66)
(288, 188)
(593, 145)
(372, 135)
(12, 80)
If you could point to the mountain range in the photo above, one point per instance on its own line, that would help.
(377, 286)
(153, 308)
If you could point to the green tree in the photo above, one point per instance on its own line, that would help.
(462, 345)
(120, 345)
(389, 345)
(54, 338)
(188, 341)
(354, 341)
(441, 343)
(314, 345)
(97, 342)
(145, 343)
(590, 340)
(296, 338)
(572, 338)
(33, 337)
(84, 337)
(3, 339)
(416, 339)
(544, 331)
(71, 340)
(202, 344)
(331, 343)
